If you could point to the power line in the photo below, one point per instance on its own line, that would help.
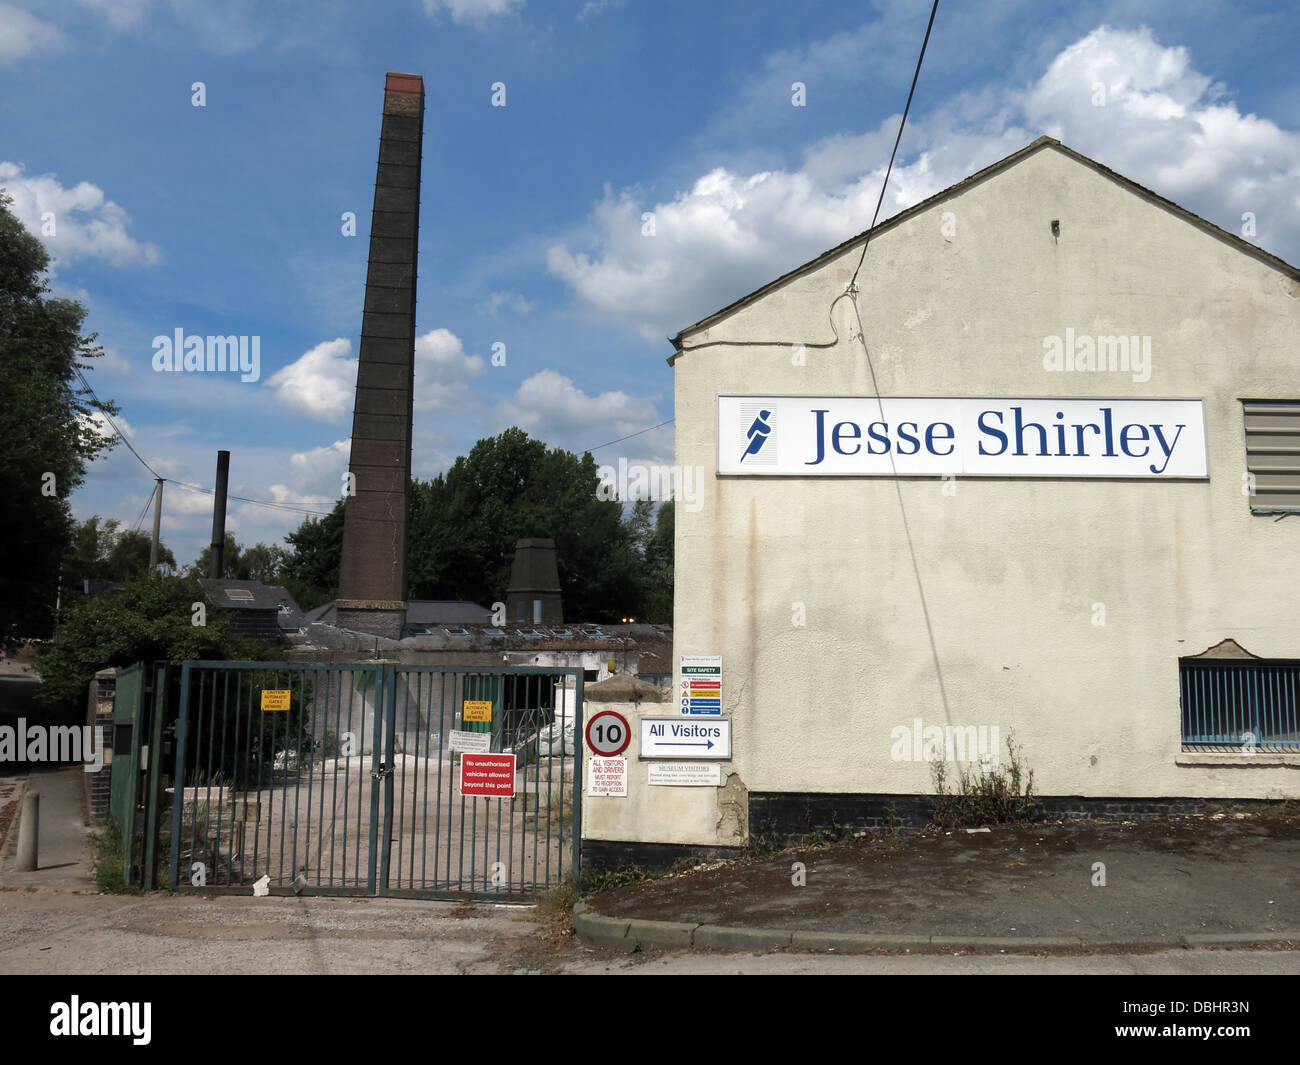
(292, 508)
(109, 419)
(630, 435)
(890, 169)
(852, 286)
(143, 511)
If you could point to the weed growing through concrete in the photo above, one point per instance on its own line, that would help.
(106, 863)
(989, 794)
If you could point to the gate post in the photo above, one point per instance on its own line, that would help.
(382, 677)
(153, 782)
(579, 743)
(390, 749)
(178, 779)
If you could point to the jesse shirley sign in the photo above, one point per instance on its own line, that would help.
(866, 436)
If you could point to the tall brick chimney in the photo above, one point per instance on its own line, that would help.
(372, 575)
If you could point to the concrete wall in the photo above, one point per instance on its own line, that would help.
(978, 608)
(699, 815)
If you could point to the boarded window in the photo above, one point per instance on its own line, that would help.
(1273, 454)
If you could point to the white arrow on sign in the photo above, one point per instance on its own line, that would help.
(671, 737)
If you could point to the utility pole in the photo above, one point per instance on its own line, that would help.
(157, 524)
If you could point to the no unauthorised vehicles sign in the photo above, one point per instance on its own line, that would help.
(491, 776)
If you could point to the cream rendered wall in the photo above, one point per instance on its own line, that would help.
(658, 813)
(979, 609)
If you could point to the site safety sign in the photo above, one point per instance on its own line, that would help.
(701, 685)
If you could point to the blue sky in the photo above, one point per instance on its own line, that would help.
(226, 218)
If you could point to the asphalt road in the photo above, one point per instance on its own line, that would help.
(47, 932)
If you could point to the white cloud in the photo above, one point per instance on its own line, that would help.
(22, 33)
(473, 11)
(186, 500)
(321, 383)
(227, 28)
(73, 223)
(510, 300)
(1164, 125)
(593, 8)
(98, 422)
(442, 370)
(317, 476)
(121, 14)
(1171, 128)
(550, 406)
(111, 362)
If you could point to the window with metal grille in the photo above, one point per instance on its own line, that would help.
(1243, 705)
(1273, 454)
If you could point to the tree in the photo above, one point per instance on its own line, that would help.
(659, 568)
(128, 558)
(230, 561)
(108, 552)
(46, 423)
(462, 528)
(464, 524)
(261, 562)
(147, 620)
(311, 570)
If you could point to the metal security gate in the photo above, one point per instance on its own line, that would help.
(345, 779)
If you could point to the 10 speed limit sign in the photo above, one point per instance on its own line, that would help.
(608, 734)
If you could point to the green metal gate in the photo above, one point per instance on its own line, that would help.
(345, 779)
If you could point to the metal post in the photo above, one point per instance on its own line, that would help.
(28, 831)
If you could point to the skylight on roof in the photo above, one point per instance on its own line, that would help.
(494, 632)
(239, 593)
(529, 632)
(456, 632)
(561, 632)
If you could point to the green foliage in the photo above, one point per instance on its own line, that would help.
(311, 570)
(988, 795)
(45, 422)
(463, 526)
(107, 552)
(658, 572)
(147, 620)
(598, 880)
(107, 861)
(261, 562)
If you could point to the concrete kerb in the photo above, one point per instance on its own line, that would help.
(631, 934)
(9, 841)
